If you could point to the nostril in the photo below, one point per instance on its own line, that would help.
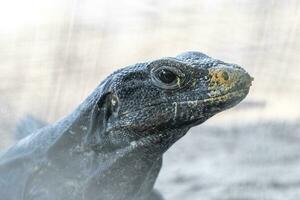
(225, 76)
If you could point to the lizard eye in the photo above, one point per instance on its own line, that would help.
(167, 77)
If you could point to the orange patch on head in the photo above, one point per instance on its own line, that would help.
(220, 77)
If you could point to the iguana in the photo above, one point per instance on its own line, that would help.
(111, 146)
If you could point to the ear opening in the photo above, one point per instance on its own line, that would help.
(105, 108)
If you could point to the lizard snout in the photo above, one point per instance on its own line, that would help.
(228, 78)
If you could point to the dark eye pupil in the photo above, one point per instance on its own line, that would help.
(166, 76)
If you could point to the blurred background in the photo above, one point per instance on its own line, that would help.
(53, 53)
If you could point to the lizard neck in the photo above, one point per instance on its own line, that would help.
(122, 168)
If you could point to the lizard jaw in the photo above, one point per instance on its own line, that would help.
(206, 108)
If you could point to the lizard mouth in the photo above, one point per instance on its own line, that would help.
(239, 94)
(229, 98)
(213, 105)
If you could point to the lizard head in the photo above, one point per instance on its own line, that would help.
(172, 95)
(133, 117)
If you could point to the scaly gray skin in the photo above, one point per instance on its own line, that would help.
(111, 146)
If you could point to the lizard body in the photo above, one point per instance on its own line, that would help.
(111, 146)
